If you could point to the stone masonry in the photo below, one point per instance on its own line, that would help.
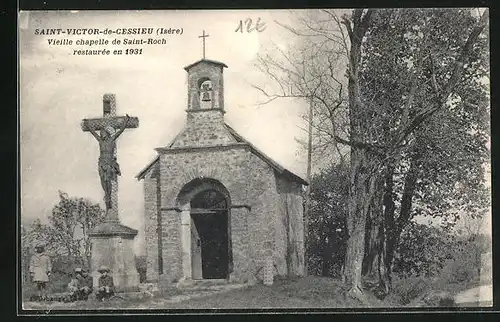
(264, 199)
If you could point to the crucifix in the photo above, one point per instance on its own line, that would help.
(203, 36)
(110, 127)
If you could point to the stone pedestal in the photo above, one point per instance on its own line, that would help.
(112, 246)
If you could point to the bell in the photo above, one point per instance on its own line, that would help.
(205, 97)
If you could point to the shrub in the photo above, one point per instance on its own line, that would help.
(58, 282)
(422, 251)
(438, 298)
(326, 228)
(408, 289)
(465, 265)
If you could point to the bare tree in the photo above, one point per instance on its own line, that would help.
(381, 135)
(311, 73)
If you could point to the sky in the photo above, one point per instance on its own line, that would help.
(59, 89)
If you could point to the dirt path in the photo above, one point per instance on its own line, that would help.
(134, 300)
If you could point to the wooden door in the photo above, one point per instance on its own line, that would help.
(195, 251)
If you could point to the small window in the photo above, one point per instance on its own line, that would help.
(206, 94)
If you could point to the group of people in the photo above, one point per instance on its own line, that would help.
(81, 284)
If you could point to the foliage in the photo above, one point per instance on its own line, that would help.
(423, 251)
(66, 240)
(432, 251)
(329, 192)
(408, 289)
(416, 122)
(66, 233)
(466, 264)
(419, 97)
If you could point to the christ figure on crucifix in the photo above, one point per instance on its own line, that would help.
(108, 166)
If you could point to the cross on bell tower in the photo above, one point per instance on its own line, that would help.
(205, 84)
(203, 37)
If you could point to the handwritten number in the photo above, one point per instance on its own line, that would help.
(258, 26)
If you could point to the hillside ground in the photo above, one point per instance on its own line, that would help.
(301, 293)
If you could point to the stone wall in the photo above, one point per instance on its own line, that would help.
(178, 169)
(171, 245)
(282, 227)
(253, 193)
(204, 128)
(201, 71)
(240, 245)
(266, 211)
(151, 208)
(296, 237)
(264, 200)
(290, 228)
(206, 149)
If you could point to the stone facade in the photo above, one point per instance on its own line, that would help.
(264, 200)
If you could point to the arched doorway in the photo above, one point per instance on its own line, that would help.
(205, 230)
(209, 235)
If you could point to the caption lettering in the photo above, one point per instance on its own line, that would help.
(99, 42)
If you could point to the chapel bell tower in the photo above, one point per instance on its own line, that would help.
(205, 86)
(205, 105)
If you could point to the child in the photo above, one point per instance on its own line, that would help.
(85, 283)
(73, 286)
(106, 288)
(40, 269)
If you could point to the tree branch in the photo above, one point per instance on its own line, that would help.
(424, 114)
(467, 48)
(361, 145)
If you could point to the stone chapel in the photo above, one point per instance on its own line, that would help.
(216, 207)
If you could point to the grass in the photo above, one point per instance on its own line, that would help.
(308, 292)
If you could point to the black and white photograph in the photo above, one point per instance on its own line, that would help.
(327, 159)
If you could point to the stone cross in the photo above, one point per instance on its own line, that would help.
(110, 127)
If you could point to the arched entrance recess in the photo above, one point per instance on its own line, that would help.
(205, 208)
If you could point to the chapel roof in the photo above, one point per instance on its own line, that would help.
(209, 61)
(240, 139)
(275, 165)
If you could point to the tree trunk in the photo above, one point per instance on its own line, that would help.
(375, 261)
(371, 242)
(390, 229)
(410, 186)
(327, 259)
(387, 240)
(373, 233)
(307, 204)
(362, 188)
(381, 229)
(361, 179)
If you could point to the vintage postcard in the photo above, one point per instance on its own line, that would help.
(254, 159)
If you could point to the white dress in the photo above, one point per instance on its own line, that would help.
(39, 265)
